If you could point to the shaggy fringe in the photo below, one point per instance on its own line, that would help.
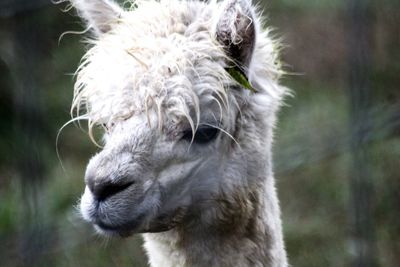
(129, 54)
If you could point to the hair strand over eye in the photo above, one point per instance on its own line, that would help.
(203, 135)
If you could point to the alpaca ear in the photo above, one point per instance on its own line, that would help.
(100, 15)
(236, 31)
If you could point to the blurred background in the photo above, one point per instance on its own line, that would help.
(337, 149)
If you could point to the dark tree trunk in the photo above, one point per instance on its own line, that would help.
(361, 180)
(28, 127)
(24, 58)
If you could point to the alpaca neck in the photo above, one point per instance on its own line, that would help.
(250, 237)
(244, 229)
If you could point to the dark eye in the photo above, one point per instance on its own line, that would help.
(203, 135)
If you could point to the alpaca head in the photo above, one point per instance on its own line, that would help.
(156, 79)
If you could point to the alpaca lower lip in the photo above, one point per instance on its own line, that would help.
(109, 221)
(132, 227)
(122, 230)
(159, 224)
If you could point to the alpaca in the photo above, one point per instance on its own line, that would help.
(187, 94)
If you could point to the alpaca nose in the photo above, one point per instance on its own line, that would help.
(102, 190)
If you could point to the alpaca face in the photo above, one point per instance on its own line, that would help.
(147, 179)
(160, 162)
(156, 78)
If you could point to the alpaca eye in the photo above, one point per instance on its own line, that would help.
(107, 126)
(203, 135)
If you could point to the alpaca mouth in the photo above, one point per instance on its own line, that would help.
(109, 221)
(124, 229)
(123, 216)
(130, 228)
(161, 223)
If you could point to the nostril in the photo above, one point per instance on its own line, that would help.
(101, 191)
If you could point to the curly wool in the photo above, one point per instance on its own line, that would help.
(163, 55)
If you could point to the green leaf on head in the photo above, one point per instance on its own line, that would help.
(240, 78)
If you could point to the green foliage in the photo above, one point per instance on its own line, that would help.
(312, 4)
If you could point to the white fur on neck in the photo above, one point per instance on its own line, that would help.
(257, 239)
